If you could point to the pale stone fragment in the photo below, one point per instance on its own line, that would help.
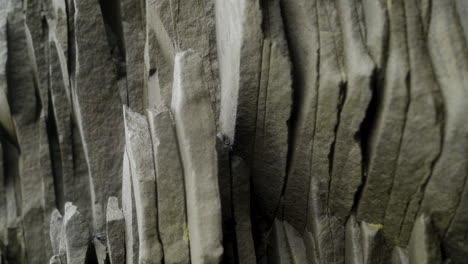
(377, 30)
(400, 256)
(100, 249)
(295, 244)
(197, 142)
(140, 155)
(115, 231)
(6, 121)
(374, 249)
(424, 245)
(353, 249)
(77, 236)
(128, 207)
(56, 231)
(170, 186)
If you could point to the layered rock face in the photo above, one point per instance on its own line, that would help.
(234, 131)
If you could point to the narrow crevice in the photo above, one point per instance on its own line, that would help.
(112, 20)
(363, 134)
(342, 98)
(55, 159)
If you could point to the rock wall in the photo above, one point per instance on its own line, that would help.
(234, 131)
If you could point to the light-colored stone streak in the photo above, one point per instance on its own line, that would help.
(197, 145)
(273, 113)
(140, 156)
(172, 220)
(239, 39)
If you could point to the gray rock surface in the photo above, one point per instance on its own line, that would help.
(239, 38)
(296, 244)
(301, 24)
(241, 210)
(196, 135)
(273, 113)
(278, 252)
(77, 236)
(424, 245)
(97, 107)
(347, 166)
(385, 138)
(299, 131)
(140, 156)
(56, 231)
(100, 248)
(132, 242)
(400, 256)
(445, 196)
(133, 25)
(115, 231)
(421, 141)
(172, 218)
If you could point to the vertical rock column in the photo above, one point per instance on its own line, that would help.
(389, 125)
(197, 140)
(446, 193)
(239, 39)
(132, 243)
(347, 170)
(300, 24)
(140, 156)
(422, 137)
(172, 219)
(115, 229)
(273, 113)
(25, 109)
(97, 106)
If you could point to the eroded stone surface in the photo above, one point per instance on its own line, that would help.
(301, 23)
(77, 236)
(421, 141)
(115, 231)
(140, 156)
(132, 242)
(197, 145)
(385, 138)
(97, 106)
(241, 210)
(172, 219)
(273, 112)
(424, 245)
